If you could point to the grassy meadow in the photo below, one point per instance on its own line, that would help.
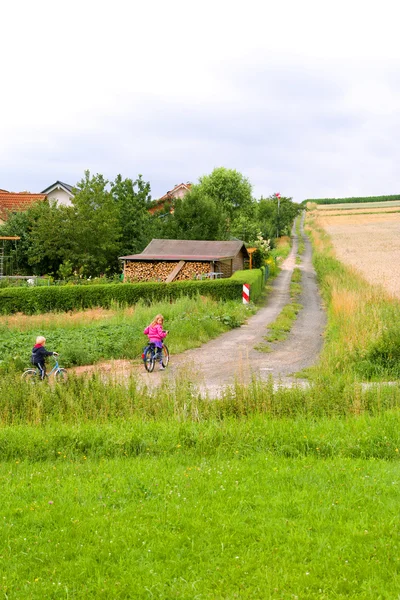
(111, 491)
(86, 337)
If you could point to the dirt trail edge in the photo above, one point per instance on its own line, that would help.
(232, 356)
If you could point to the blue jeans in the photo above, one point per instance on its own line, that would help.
(158, 355)
(42, 369)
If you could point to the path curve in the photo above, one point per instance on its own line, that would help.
(232, 356)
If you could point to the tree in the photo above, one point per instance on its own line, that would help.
(50, 238)
(276, 215)
(41, 229)
(245, 227)
(132, 200)
(96, 234)
(103, 223)
(229, 189)
(19, 224)
(196, 217)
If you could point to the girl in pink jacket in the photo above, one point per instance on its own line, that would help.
(156, 334)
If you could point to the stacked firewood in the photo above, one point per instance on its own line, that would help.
(148, 271)
(159, 270)
(192, 270)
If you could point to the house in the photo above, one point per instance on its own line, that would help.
(179, 191)
(60, 192)
(11, 202)
(175, 260)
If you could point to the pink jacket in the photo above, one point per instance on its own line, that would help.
(155, 333)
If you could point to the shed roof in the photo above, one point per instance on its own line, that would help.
(201, 250)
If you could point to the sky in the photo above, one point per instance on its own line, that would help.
(301, 97)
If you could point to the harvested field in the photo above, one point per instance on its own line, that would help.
(370, 243)
(353, 211)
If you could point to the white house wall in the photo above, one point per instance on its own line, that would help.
(60, 196)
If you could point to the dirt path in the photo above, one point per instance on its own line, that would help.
(232, 356)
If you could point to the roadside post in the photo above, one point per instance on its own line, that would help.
(246, 293)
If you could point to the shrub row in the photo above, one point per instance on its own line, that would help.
(61, 299)
(352, 200)
(49, 299)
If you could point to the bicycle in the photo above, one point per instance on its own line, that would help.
(149, 356)
(33, 375)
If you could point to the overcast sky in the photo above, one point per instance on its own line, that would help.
(300, 96)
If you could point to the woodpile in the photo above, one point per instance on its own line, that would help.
(159, 270)
(148, 271)
(192, 270)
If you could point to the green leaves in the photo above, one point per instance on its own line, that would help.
(105, 221)
(228, 188)
(198, 217)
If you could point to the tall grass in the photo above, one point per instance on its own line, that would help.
(100, 400)
(364, 436)
(363, 333)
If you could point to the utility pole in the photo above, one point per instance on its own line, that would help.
(278, 196)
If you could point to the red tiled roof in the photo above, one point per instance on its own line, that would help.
(12, 202)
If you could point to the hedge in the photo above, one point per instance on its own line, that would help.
(75, 297)
(255, 278)
(47, 299)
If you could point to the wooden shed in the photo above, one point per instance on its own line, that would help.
(175, 260)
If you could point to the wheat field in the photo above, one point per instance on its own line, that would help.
(368, 242)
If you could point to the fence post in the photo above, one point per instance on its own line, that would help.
(246, 293)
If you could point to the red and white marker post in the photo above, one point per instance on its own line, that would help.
(246, 293)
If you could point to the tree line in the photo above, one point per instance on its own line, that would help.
(108, 219)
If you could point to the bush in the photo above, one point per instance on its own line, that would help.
(66, 298)
(383, 357)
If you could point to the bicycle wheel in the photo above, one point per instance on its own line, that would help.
(30, 375)
(61, 375)
(148, 359)
(165, 355)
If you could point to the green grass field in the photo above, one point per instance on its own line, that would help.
(246, 508)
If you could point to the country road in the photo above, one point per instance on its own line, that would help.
(232, 356)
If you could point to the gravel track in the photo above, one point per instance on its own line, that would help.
(232, 356)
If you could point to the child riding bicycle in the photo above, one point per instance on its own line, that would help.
(156, 334)
(39, 354)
